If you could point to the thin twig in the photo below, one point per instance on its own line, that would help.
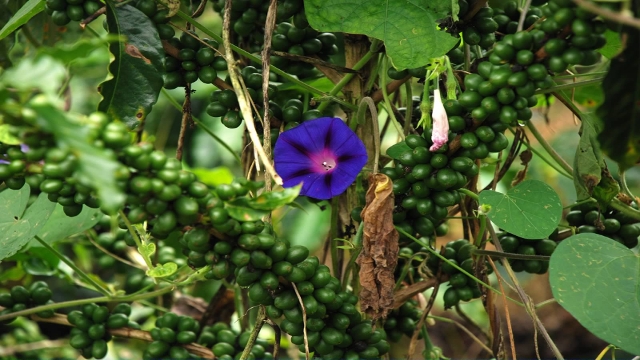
(241, 94)
(266, 63)
(32, 346)
(423, 318)
(608, 14)
(523, 15)
(311, 60)
(186, 117)
(506, 310)
(124, 261)
(277, 337)
(304, 322)
(260, 320)
(92, 17)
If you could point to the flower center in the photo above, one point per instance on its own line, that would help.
(329, 164)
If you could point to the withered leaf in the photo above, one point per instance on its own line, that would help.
(379, 255)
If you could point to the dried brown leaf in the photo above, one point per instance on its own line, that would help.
(379, 255)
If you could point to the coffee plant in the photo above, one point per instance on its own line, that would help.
(341, 178)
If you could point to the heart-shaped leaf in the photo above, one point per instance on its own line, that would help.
(597, 280)
(18, 226)
(60, 226)
(530, 210)
(163, 270)
(146, 250)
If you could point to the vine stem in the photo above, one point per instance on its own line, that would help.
(528, 304)
(510, 255)
(136, 239)
(569, 86)
(202, 125)
(435, 253)
(554, 155)
(523, 15)
(469, 193)
(373, 49)
(463, 328)
(547, 161)
(257, 60)
(387, 102)
(72, 265)
(260, 320)
(623, 183)
(608, 14)
(101, 299)
(239, 88)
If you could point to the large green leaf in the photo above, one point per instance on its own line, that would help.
(407, 27)
(530, 210)
(597, 280)
(95, 165)
(620, 136)
(274, 199)
(43, 73)
(60, 226)
(587, 163)
(26, 12)
(18, 226)
(136, 68)
(7, 43)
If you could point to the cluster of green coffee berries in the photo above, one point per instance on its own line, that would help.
(479, 30)
(169, 336)
(588, 218)
(90, 334)
(197, 59)
(64, 11)
(20, 298)
(227, 343)
(402, 321)
(461, 286)
(513, 244)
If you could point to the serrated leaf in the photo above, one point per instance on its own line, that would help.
(94, 164)
(18, 226)
(60, 226)
(407, 27)
(274, 199)
(6, 137)
(26, 12)
(136, 69)
(163, 270)
(620, 136)
(530, 210)
(398, 149)
(588, 163)
(597, 279)
(147, 250)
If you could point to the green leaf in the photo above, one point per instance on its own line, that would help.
(81, 49)
(7, 43)
(18, 226)
(147, 250)
(587, 163)
(620, 136)
(596, 280)
(42, 73)
(274, 199)
(407, 27)
(214, 177)
(530, 210)
(240, 210)
(26, 12)
(96, 166)
(163, 270)
(41, 262)
(136, 69)
(60, 226)
(398, 149)
(613, 45)
(6, 137)
(606, 190)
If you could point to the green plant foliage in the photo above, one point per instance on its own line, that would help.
(406, 27)
(18, 224)
(588, 162)
(163, 270)
(398, 149)
(26, 12)
(244, 209)
(530, 210)
(620, 136)
(93, 163)
(136, 69)
(60, 226)
(596, 279)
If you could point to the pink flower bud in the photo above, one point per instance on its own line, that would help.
(440, 129)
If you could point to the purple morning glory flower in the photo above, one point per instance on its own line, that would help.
(324, 154)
